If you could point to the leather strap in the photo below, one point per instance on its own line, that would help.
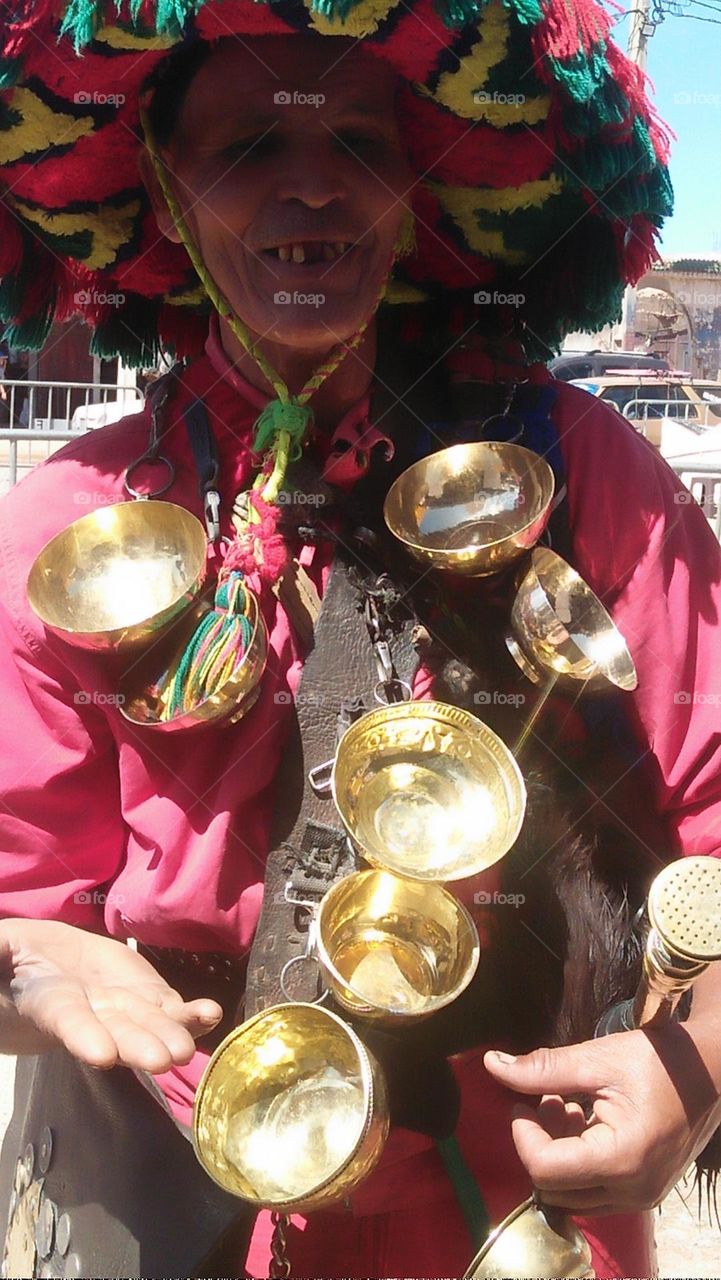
(309, 848)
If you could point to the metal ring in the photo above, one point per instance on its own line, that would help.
(288, 965)
(155, 493)
(399, 684)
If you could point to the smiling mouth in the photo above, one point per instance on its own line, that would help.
(309, 251)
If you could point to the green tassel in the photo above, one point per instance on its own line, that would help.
(458, 13)
(276, 417)
(81, 20)
(172, 16)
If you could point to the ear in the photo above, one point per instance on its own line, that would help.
(163, 216)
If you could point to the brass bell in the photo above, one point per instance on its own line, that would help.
(534, 1240)
(393, 949)
(117, 577)
(140, 701)
(427, 791)
(471, 509)
(291, 1112)
(560, 629)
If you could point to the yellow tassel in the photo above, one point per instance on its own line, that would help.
(406, 238)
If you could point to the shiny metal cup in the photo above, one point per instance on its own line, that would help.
(471, 509)
(291, 1111)
(118, 576)
(392, 949)
(534, 1240)
(428, 791)
(559, 629)
(139, 702)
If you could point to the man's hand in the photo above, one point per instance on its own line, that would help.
(102, 1001)
(653, 1102)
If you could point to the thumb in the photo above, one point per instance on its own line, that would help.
(571, 1069)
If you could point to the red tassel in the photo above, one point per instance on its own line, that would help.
(11, 241)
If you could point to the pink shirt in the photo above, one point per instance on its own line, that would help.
(163, 837)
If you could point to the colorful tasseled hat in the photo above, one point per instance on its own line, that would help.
(541, 165)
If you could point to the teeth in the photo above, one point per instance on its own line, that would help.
(341, 247)
(329, 254)
(283, 252)
(298, 253)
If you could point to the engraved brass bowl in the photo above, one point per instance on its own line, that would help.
(560, 629)
(115, 578)
(140, 702)
(473, 508)
(393, 949)
(291, 1111)
(534, 1240)
(428, 791)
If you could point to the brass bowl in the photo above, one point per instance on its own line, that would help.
(560, 629)
(118, 576)
(428, 791)
(140, 704)
(291, 1111)
(393, 949)
(534, 1240)
(472, 508)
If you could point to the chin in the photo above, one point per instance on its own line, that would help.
(323, 330)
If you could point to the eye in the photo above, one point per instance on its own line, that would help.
(250, 148)
(359, 140)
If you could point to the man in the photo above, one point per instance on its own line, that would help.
(288, 158)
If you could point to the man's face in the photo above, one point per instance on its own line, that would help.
(286, 151)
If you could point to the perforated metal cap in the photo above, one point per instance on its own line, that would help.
(684, 907)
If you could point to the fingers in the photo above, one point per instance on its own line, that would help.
(571, 1069)
(197, 1016)
(561, 1119)
(571, 1162)
(62, 1012)
(149, 1036)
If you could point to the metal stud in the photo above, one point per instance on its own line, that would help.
(45, 1153)
(29, 1162)
(22, 1180)
(62, 1234)
(73, 1265)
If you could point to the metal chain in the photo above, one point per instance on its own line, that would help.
(280, 1266)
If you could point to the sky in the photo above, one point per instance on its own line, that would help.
(684, 64)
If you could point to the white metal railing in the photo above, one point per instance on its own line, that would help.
(696, 415)
(62, 406)
(703, 481)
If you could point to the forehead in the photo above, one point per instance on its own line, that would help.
(252, 75)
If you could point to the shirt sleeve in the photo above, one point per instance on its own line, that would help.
(61, 831)
(646, 548)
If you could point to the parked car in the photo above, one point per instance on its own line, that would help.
(671, 410)
(594, 364)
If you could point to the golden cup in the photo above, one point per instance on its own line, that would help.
(291, 1112)
(140, 701)
(428, 791)
(118, 576)
(560, 629)
(473, 508)
(392, 949)
(534, 1240)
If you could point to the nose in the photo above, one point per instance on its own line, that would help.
(310, 171)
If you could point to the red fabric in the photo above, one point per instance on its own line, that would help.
(163, 837)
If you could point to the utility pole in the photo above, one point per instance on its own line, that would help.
(636, 52)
